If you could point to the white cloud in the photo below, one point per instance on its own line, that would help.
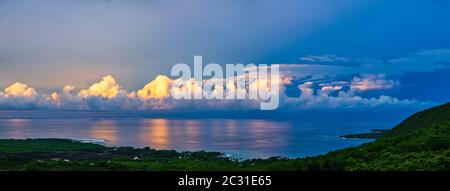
(330, 66)
(107, 88)
(19, 95)
(319, 85)
(158, 88)
(107, 94)
(371, 82)
(313, 99)
(327, 89)
(19, 90)
(326, 59)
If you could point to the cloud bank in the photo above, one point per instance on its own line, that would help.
(158, 94)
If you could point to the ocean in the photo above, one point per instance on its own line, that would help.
(239, 138)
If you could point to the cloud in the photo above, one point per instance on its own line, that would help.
(329, 59)
(107, 94)
(106, 88)
(19, 90)
(333, 65)
(311, 98)
(371, 82)
(19, 95)
(424, 60)
(158, 88)
(327, 89)
(328, 84)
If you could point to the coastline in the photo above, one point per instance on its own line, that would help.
(373, 134)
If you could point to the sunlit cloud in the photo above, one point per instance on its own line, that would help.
(326, 84)
(311, 98)
(159, 93)
(19, 90)
(106, 88)
(158, 88)
(371, 82)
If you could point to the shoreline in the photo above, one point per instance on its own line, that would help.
(231, 156)
(101, 142)
(373, 134)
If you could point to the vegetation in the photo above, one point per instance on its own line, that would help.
(373, 134)
(421, 142)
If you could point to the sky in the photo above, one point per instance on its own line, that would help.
(335, 53)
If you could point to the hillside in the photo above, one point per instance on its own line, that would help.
(422, 119)
(421, 142)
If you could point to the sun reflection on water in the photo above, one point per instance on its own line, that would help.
(155, 133)
(104, 129)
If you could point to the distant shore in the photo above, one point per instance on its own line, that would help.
(373, 134)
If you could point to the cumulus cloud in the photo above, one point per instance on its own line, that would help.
(19, 90)
(324, 82)
(160, 93)
(107, 88)
(311, 98)
(158, 88)
(19, 95)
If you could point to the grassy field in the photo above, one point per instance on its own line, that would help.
(421, 142)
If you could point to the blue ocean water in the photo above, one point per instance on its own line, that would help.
(241, 138)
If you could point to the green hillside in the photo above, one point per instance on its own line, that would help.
(421, 142)
(423, 119)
